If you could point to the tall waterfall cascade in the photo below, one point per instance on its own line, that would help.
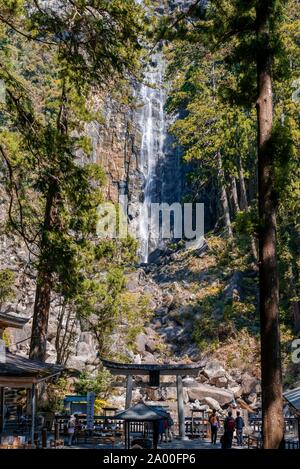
(159, 159)
(153, 135)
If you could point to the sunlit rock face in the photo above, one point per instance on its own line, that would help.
(137, 152)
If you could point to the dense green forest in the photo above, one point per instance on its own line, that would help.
(233, 106)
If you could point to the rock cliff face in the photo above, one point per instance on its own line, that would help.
(116, 147)
(138, 154)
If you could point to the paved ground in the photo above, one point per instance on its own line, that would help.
(189, 444)
(175, 444)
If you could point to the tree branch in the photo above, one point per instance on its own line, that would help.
(26, 35)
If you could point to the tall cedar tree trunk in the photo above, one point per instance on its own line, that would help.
(244, 203)
(43, 288)
(272, 407)
(223, 196)
(296, 304)
(234, 195)
(243, 192)
(45, 269)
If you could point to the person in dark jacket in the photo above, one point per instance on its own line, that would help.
(239, 425)
(229, 427)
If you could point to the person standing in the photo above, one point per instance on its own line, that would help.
(161, 429)
(77, 429)
(239, 425)
(71, 429)
(170, 428)
(214, 426)
(229, 427)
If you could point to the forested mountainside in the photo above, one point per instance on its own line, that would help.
(151, 102)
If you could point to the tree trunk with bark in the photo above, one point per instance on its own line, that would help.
(272, 405)
(44, 286)
(244, 203)
(223, 197)
(296, 304)
(296, 311)
(243, 191)
(234, 195)
(45, 269)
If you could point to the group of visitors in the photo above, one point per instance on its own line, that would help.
(231, 425)
(74, 428)
(166, 429)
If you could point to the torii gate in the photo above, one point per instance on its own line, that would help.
(154, 371)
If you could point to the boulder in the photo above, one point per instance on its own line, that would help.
(132, 283)
(213, 404)
(50, 357)
(167, 393)
(244, 405)
(237, 391)
(75, 363)
(167, 299)
(171, 332)
(192, 350)
(151, 345)
(214, 369)
(251, 398)
(202, 379)
(202, 391)
(157, 324)
(162, 311)
(189, 381)
(88, 338)
(153, 394)
(137, 395)
(117, 401)
(52, 330)
(257, 388)
(84, 351)
(137, 359)
(197, 406)
(220, 381)
(140, 342)
(236, 374)
(249, 383)
(149, 358)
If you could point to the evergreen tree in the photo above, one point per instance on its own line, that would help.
(71, 51)
(252, 36)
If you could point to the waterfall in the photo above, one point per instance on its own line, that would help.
(159, 159)
(153, 133)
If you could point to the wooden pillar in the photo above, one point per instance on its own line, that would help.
(128, 391)
(155, 434)
(2, 409)
(127, 435)
(44, 438)
(33, 406)
(192, 422)
(56, 431)
(180, 406)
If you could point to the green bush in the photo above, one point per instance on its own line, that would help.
(99, 385)
(7, 278)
